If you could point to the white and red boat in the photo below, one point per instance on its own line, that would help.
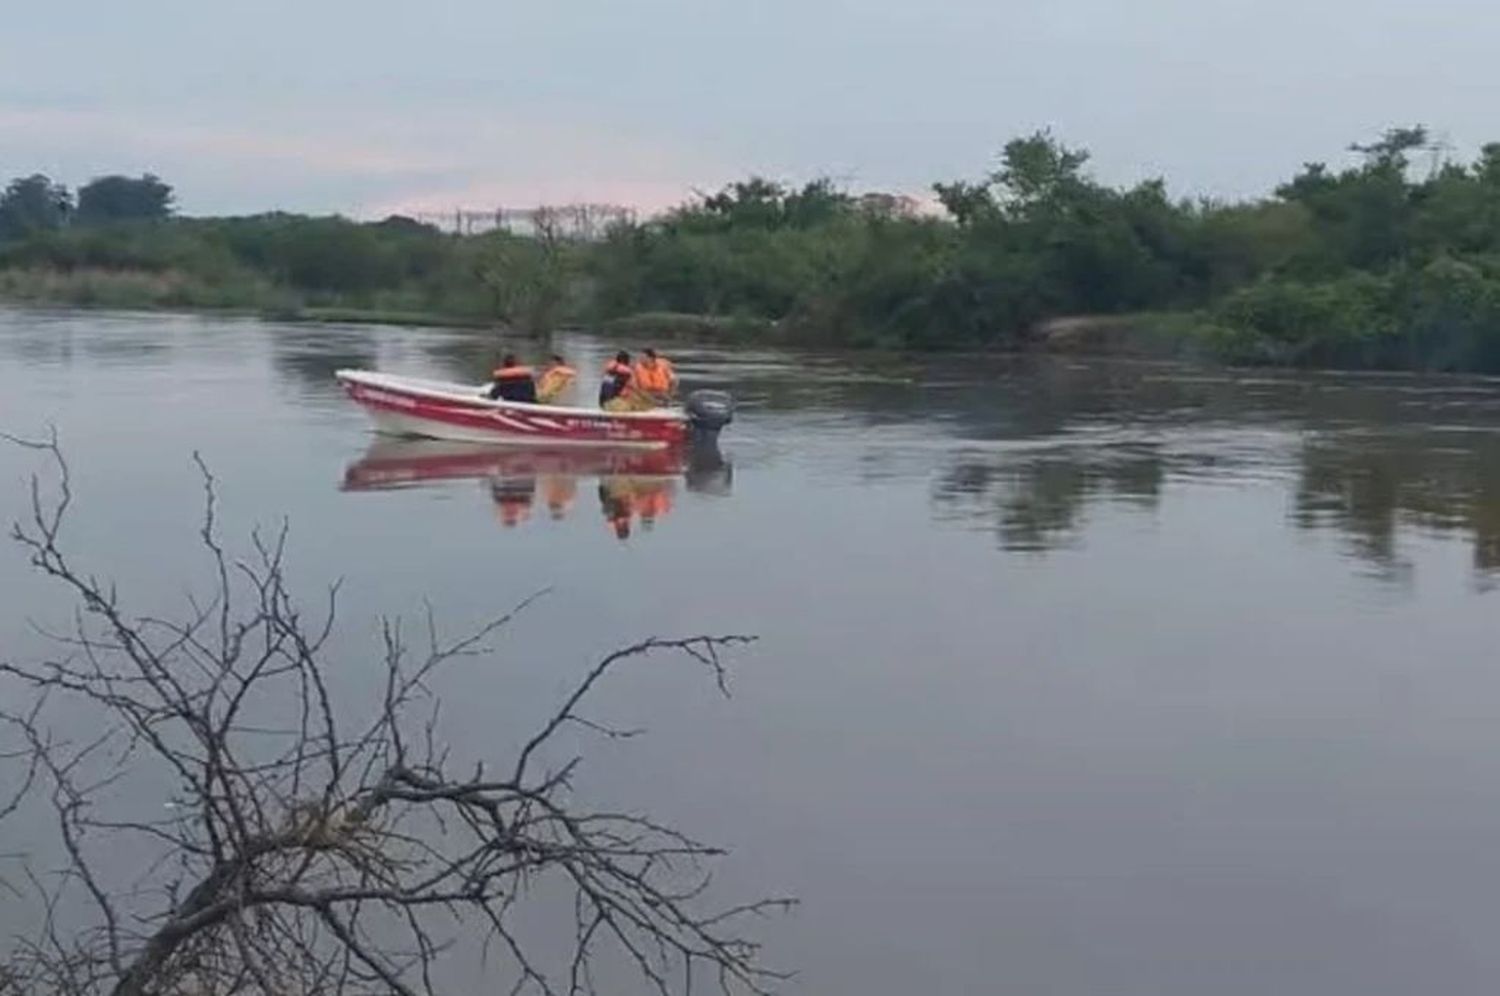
(407, 406)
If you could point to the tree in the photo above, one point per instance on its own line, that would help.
(1389, 151)
(326, 254)
(1364, 215)
(304, 850)
(123, 198)
(33, 204)
(1039, 172)
(752, 203)
(964, 201)
(526, 277)
(818, 202)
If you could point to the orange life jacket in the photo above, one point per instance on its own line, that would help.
(654, 378)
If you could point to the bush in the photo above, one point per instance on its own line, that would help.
(1330, 323)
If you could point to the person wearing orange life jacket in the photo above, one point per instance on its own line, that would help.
(513, 382)
(654, 377)
(617, 376)
(555, 379)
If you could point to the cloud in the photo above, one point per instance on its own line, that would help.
(647, 196)
(361, 161)
(152, 134)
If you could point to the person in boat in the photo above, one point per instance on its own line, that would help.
(654, 378)
(555, 379)
(513, 382)
(616, 384)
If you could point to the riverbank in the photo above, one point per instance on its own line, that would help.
(1121, 335)
(1365, 267)
(104, 290)
(173, 291)
(1440, 317)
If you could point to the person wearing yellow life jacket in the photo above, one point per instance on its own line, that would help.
(555, 379)
(617, 376)
(513, 382)
(654, 377)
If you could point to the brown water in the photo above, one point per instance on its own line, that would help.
(1074, 678)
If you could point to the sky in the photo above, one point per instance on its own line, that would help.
(375, 106)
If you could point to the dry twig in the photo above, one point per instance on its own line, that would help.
(317, 855)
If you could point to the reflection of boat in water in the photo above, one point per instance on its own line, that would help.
(707, 472)
(634, 485)
(396, 463)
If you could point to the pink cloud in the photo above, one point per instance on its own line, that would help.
(645, 195)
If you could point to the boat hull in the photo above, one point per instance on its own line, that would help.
(407, 407)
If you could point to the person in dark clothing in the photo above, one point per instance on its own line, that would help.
(513, 382)
(616, 378)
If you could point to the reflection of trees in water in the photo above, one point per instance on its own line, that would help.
(1038, 501)
(304, 358)
(1376, 473)
(466, 357)
(1371, 489)
(469, 356)
(64, 343)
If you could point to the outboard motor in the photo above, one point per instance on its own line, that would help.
(708, 412)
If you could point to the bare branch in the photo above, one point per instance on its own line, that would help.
(300, 847)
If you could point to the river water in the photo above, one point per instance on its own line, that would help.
(1073, 677)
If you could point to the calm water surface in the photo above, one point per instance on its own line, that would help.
(1074, 678)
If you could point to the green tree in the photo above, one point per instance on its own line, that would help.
(1039, 173)
(818, 202)
(123, 198)
(965, 202)
(1390, 150)
(752, 203)
(1364, 215)
(33, 204)
(526, 277)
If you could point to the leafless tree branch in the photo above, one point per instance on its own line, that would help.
(303, 851)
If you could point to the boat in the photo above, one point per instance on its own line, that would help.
(410, 406)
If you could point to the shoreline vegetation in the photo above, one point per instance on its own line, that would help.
(1391, 262)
